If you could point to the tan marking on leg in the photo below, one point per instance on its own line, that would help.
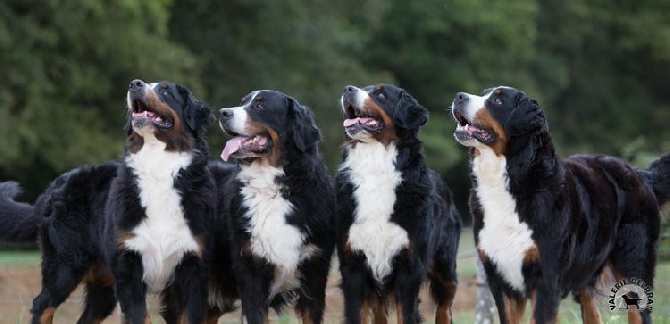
(212, 318)
(306, 316)
(514, 309)
(47, 316)
(182, 319)
(633, 317)
(442, 314)
(590, 313)
(533, 302)
(398, 312)
(380, 313)
(365, 312)
(266, 319)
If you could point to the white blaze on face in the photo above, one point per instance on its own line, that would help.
(238, 123)
(360, 96)
(475, 103)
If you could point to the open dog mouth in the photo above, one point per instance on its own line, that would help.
(142, 115)
(357, 121)
(245, 145)
(465, 131)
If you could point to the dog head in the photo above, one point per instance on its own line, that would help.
(380, 113)
(167, 112)
(496, 118)
(268, 124)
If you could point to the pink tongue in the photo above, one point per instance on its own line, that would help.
(357, 120)
(232, 146)
(144, 114)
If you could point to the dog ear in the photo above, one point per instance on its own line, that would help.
(408, 113)
(526, 118)
(304, 132)
(197, 115)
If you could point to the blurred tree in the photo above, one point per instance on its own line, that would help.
(612, 71)
(66, 65)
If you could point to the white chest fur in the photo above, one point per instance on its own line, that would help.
(504, 238)
(272, 238)
(163, 237)
(374, 178)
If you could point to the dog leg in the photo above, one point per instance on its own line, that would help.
(312, 301)
(380, 313)
(408, 296)
(212, 317)
(515, 307)
(590, 313)
(546, 302)
(353, 290)
(57, 284)
(447, 292)
(192, 277)
(443, 286)
(99, 303)
(633, 317)
(635, 258)
(47, 316)
(253, 289)
(398, 312)
(365, 312)
(130, 289)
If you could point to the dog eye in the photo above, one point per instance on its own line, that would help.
(381, 95)
(258, 106)
(497, 101)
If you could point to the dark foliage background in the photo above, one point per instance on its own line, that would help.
(600, 68)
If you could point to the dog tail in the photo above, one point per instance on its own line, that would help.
(18, 222)
(658, 175)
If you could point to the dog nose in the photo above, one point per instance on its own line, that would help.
(135, 85)
(349, 89)
(460, 99)
(225, 113)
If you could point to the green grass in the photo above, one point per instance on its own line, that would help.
(19, 258)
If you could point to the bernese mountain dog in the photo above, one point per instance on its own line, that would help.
(277, 203)
(398, 226)
(547, 226)
(134, 226)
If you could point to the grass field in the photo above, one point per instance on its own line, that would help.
(20, 282)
